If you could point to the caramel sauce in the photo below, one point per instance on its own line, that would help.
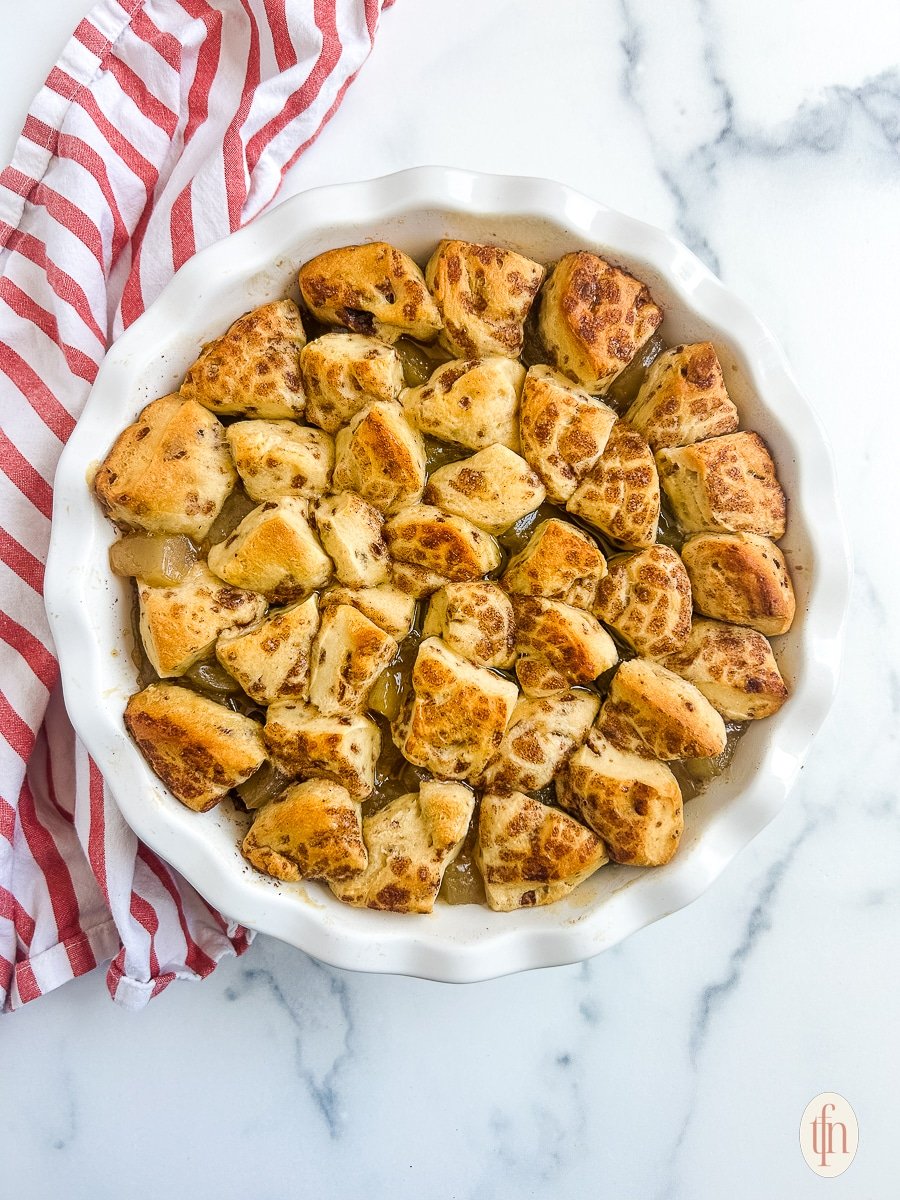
(695, 774)
(439, 454)
(516, 537)
(462, 882)
(419, 362)
(235, 508)
(391, 685)
(146, 673)
(623, 390)
(263, 786)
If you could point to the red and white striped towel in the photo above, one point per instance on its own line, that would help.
(164, 126)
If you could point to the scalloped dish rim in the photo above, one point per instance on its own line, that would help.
(89, 613)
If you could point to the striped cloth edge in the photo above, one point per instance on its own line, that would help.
(163, 127)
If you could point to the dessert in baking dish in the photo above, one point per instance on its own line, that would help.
(444, 609)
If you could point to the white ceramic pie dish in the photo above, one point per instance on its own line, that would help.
(89, 607)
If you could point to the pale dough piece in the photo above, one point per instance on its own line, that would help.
(449, 546)
(454, 715)
(571, 640)
(683, 398)
(559, 562)
(620, 496)
(382, 457)
(417, 582)
(733, 667)
(253, 370)
(281, 458)
(199, 749)
(741, 578)
(563, 430)
(342, 372)
(483, 294)
(271, 660)
(352, 533)
(633, 803)
(473, 403)
(303, 742)
(540, 737)
(594, 318)
(652, 711)
(538, 678)
(180, 623)
(493, 489)
(169, 472)
(531, 854)
(372, 289)
(387, 606)
(646, 598)
(312, 831)
(411, 841)
(273, 551)
(348, 655)
(726, 484)
(474, 619)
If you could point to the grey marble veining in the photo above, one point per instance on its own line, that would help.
(677, 1065)
(691, 122)
(322, 1016)
(759, 922)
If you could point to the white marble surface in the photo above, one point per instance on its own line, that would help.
(678, 1065)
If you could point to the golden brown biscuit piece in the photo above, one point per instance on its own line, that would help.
(312, 831)
(348, 655)
(372, 289)
(180, 624)
(733, 667)
(387, 606)
(563, 430)
(646, 598)
(473, 403)
(571, 640)
(273, 551)
(531, 854)
(199, 749)
(483, 294)
(254, 368)
(633, 803)
(741, 578)
(454, 714)
(281, 458)
(474, 619)
(352, 532)
(411, 841)
(493, 489)
(380, 456)
(271, 660)
(539, 739)
(449, 546)
(342, 372)
(304, 742)
(417, 582)
(652, 711)
(620, 496)
(724, 484)
(683, 398)
(594, 318)
(538, 678)
(559, 562)
(169, 472)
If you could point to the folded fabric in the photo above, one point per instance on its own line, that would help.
(163, 127)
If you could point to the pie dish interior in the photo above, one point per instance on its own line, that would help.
(89, 606)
